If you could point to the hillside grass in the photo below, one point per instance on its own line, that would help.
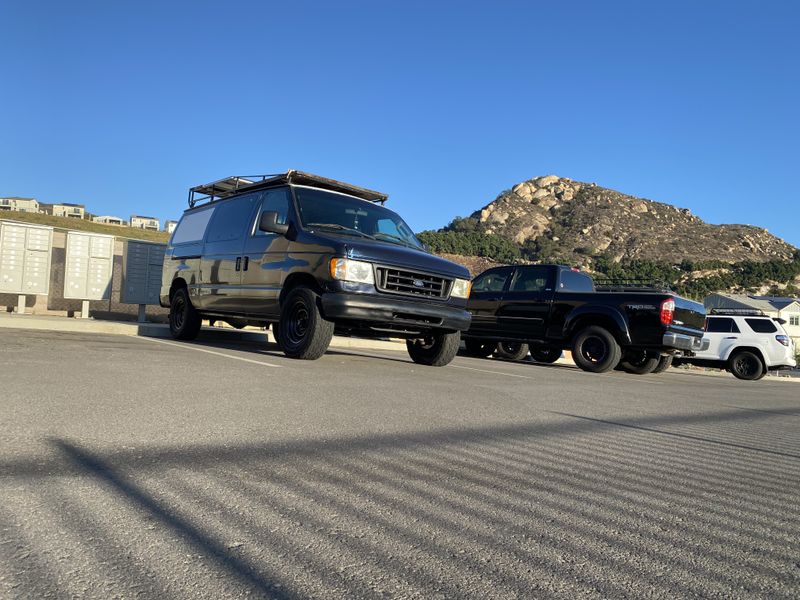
(84, 225)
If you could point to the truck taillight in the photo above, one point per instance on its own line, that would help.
(667, 311)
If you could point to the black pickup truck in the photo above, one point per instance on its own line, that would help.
(551, 308)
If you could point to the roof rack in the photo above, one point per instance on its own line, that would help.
(738, 312)
(230, 186)
(631, 285)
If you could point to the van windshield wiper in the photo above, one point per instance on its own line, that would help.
(342, 228)
(391, 237)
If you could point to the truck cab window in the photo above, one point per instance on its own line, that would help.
(493, 281)
(530, 279)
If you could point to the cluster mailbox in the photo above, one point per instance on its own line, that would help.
(141, 268)
(89, 266)
(25, 258)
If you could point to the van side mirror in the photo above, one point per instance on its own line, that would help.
(269, 223)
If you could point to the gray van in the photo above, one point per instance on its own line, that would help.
(310, 256)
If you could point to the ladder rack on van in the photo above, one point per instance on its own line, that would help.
(230, 186)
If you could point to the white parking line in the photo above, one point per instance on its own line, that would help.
(214, 352)
(494, 372)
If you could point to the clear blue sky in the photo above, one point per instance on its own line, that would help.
(123, 106)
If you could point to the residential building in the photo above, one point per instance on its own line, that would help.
(140, 222)
(15, 203)
(787, 309)
(106, 220)
(65, 209)
(170, 226)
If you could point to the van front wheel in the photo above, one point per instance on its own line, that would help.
(435, 350)
(303, 333)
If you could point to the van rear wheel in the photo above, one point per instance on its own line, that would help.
(302, 332)
(184, 320)
(435, 349)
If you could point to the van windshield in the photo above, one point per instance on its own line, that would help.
(346, 215)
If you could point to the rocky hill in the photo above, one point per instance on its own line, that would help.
(557, 217)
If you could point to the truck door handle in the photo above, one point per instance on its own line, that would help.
(238, 263)
(246, 263)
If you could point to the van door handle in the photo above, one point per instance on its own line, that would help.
(238, 263)
(246, 263)
(733, 337)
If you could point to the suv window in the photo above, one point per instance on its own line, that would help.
(231, 218)
(530, 279)
(722, 325)
(192, 227)
(572, 281)
(762, 325)
(493, 281)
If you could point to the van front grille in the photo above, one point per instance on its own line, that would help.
(411, 283)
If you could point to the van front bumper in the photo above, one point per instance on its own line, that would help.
(379, 310)
(685, 342)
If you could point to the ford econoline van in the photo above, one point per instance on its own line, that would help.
(310, 256)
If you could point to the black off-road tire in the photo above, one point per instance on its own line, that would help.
(184, 320)
(545, 354)
(302, 332)
(639, 362)
(664, 363)
(745, 365)
(512, 350)
(595, 349)
(479, 348)
(435, 350)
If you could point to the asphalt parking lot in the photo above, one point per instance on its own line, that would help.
(134, 467)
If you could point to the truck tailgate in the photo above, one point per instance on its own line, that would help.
(689, 315)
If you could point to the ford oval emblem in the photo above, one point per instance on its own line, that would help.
(418, 283)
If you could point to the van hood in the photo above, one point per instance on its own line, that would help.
(403, 257)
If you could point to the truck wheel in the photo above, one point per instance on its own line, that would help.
(664, 363)
(545, 354)
(512, 350)
(184, 321)
(435, 350)
(479, 348)
(638, 362)
(303, 333)
(745, 365)
(594, 349)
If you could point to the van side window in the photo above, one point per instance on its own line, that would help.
(274, 201)
(192, 227)
(231, 218)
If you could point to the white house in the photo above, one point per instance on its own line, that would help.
(30, 205)
(65, 209)
(787, 309)
(107, 220)
(170, 226)
(140, 222)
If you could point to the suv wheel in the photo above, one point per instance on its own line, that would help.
(479, 349)
(184, 321)
(639, 362)
(596, 350)
(745, 365)
(664, 363)
(303, 333)
(545, 354)
(435, 350)
(512, 350)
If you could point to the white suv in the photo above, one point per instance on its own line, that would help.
(745, 342)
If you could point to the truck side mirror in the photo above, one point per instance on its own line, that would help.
(269, 223)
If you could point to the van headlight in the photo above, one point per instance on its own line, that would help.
(356, 271)
(461, 288)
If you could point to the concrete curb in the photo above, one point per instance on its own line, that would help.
(160, 330)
